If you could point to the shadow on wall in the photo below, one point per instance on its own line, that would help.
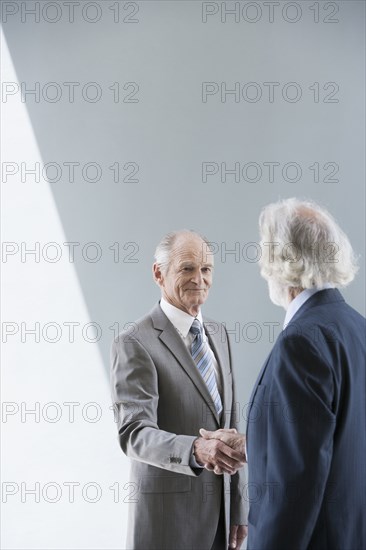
(122, 133)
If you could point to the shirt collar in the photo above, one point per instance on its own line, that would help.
(300, 299)
(181, 320)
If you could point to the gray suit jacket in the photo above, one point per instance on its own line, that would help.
(162, 401)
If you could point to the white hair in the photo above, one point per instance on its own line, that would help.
(303, 247)
(165, 247)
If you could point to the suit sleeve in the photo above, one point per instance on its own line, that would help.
(135, 395)
(238, 482)
(300, 428)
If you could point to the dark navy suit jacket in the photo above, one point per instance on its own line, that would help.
(306, 437)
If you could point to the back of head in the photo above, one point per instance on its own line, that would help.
(303, 246)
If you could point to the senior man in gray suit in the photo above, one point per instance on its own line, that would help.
(171, 375)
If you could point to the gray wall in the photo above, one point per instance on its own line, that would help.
(297, 76)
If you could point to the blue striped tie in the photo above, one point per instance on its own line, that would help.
(202, 357)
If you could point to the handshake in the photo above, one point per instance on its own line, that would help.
(223, 451)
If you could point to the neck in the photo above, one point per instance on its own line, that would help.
(193, 310)
(293, 292)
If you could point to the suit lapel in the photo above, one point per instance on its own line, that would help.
(176, 346)
(258, 381)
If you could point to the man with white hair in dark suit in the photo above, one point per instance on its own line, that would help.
(306, 435)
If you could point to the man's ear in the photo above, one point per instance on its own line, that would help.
(157, 274)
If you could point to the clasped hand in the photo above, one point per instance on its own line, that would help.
(220, 451)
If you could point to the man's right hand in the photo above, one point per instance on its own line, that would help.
(216, 455)
(230, 437)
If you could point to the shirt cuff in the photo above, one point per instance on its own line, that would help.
(192, 460)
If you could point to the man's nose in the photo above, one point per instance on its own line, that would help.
(197, 277)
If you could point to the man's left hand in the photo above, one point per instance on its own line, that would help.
(237, 536)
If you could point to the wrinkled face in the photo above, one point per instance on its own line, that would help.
(188, 278)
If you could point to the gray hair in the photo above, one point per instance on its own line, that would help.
(165, 247)
(303, 247)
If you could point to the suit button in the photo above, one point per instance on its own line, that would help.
(175, 460)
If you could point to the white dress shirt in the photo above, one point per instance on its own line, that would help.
(182, 323)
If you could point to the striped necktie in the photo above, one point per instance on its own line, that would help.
(202, 357)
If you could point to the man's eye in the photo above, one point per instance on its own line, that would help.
(206, 269)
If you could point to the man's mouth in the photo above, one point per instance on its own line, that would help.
(196, 289)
